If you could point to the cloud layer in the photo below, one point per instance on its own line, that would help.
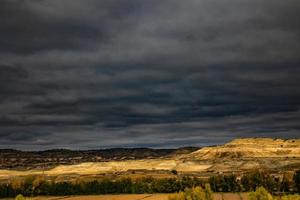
(112, 73)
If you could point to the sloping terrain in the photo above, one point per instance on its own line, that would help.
(251, 148)
(249, 153)
(27, 160)
(237, 156)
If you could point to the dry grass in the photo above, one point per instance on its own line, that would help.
(219, 196)
(240, 154)
(251, 148)
(110, 167)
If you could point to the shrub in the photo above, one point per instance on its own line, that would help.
(260, 194)
(291, 197)
(20, 197)
(196, 193)
(177, 196)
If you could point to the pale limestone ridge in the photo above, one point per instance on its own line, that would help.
(266, 141)
(251, 148)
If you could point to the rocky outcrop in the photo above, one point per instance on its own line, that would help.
(250, 153)
(239, 156)
(251, 148)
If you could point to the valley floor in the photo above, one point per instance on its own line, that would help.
(218, 196)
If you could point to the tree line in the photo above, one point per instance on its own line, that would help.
(34, 186)
(255, 179)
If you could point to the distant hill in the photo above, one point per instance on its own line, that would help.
(250, 153)
(15, 159)
(238, 156)
(251, 148)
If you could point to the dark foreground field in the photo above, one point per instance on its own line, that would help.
(218, 196)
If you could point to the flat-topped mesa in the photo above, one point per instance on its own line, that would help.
(251, 148)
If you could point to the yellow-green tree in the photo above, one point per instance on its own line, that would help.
(208, 192)
(196, 193)
(260, 194)
(291, 197)
(20, 197)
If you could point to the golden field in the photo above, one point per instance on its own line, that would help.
(219, 196)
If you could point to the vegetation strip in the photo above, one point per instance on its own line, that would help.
(37, 186)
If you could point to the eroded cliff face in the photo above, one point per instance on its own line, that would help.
(26, 160)
(250, 153)
(239, 155)
(251, 148)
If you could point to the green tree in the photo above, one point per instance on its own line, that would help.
(256, 179)
(285, 184)
(213, 183)
(227, 183)
(28, 187)
(296, 179)
(208, 192)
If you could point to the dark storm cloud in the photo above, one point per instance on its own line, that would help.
(91, 74)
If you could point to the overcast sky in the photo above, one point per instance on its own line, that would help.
(88, 74)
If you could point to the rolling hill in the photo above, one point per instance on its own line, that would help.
(238, 156)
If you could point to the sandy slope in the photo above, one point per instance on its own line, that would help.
(251, 148)
(114, 166)
(240, 154)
